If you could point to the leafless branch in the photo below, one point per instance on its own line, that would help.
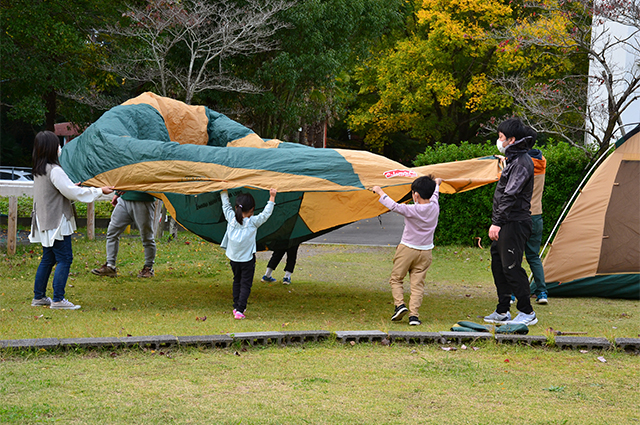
(561, 106)
(211, 31)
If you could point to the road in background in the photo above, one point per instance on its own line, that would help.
(384, 230)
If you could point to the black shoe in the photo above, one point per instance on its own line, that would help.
(401, 310)
(414, 321)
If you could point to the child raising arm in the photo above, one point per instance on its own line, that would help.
(413, 254)
(239, 241)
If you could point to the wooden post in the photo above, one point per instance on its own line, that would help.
(12, 225)
(91, 221)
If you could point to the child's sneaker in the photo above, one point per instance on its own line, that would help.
(65, 304)
(286, 281)
(496, 317)
(238, 315)
(414, 321)
(524, 319)
(542, 298)
(401, 310)
(267, 279)
(42, 301)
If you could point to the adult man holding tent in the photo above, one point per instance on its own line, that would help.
(130, 207)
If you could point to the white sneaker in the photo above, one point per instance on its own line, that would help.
(524, 319)
(65, 304)
(42, 301)
(496, 317)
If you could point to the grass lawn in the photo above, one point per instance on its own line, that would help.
(334, 288)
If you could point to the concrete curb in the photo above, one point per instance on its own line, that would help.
(156, 342)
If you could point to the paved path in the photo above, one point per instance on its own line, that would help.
(384, 230)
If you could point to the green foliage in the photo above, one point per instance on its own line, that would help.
(25, 206)
(305, 79)
(466, 216)
(437, 81)
(45, 51)
(103, 209)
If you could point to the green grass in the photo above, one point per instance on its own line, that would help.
(334, 288)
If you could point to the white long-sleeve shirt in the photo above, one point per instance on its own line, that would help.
(240, 239)
(67, 226)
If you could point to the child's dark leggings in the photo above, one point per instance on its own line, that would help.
(242, 281)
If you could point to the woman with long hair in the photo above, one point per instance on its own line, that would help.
(52, 221)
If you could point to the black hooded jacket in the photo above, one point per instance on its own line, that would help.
(512, 198)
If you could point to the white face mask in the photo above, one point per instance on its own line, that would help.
(500, 147)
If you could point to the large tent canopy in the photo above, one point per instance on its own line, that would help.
(185, 155)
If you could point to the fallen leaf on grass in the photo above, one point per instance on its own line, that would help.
(584, 351)
(352, 343)
(37, 317)
(201, 319)
(464, 347)
(449, 348)
(475, 348)
(237, 354)
(602, 359)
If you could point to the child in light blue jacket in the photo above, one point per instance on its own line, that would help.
(240, 243)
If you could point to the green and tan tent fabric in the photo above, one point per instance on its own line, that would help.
(597, 249)
(185, 155)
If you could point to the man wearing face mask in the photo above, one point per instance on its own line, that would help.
(511, 223)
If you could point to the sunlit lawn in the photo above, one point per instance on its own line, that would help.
(334, 288)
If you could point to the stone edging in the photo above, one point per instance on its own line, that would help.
(629, 345)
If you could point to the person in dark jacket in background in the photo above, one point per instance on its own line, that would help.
(532, 248)
(511, 223)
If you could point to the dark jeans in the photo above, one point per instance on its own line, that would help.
(61, 254)
(506, 266)
(242, 282)
(532, 252)
(276, 257)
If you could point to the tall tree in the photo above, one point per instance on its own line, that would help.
(305, 80)
(435, 83)
(181, 46)
(431, 83)
(585, 105)
(47, 55)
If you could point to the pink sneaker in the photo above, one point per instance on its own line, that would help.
(237, 315)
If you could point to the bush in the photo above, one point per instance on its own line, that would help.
(466, 216)
(25, 207)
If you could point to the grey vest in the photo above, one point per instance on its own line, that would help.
(48, 203)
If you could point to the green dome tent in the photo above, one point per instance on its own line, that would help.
(597, 249)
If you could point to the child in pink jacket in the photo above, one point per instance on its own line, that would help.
(413, 254)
